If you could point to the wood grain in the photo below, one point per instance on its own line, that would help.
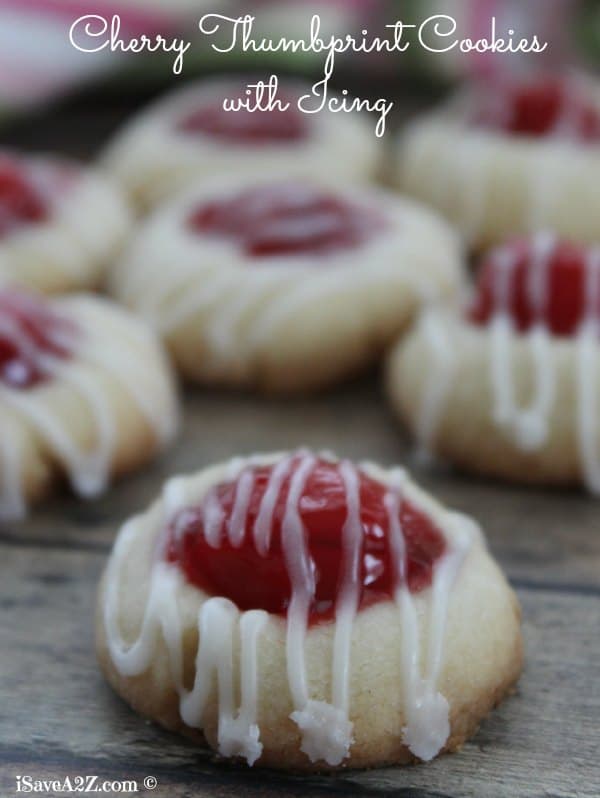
(63, 716)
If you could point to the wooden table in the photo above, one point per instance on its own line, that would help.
(58, 718)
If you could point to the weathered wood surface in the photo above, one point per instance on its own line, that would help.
(58, 718)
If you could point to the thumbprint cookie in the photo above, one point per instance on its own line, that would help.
(287, 285)
(300, 611)
(511, 388)
(60, 223)
(85, 393)
(188, 136)
(510, 160)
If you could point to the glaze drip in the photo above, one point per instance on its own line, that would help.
(325, 727)
(51, 347)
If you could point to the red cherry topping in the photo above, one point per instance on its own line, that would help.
(287, 219)
(261, 581)
(250, 128)
(542, 106)
(30, 334)
(20, 202)
(534, 282)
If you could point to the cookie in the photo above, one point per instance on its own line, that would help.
(60, 223)
(300, 611)
(511, 387)
(85, 393)
(510, 160)
(285, 285)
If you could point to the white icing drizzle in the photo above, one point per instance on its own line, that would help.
(326, 728)
(529, 425)
(212, 521)
(217, 621)
(347, 603)
(427, 711)
(264, 520)
(237, 522)
(95, 364)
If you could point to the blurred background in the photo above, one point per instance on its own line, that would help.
(51, 94)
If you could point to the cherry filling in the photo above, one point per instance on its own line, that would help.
(31, 335)
(557, 285)
(287, 219)
(250, 128)
(542, 106)
(256, 581)
(20, 202)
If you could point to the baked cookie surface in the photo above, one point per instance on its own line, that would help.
(511, 389)
(85, 392)
(509, 160)
(300, 611)
(60, 223)
(288, 285)
(187, 137)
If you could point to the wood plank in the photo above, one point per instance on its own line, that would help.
(58, 716)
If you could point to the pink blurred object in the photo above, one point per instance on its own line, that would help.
(37, 60)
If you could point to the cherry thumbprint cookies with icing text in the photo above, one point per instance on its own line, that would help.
(511, 159)
(85, 392)
(188, 136)
(60, 223)
(300, 611)
(511, 388)
(286, 285)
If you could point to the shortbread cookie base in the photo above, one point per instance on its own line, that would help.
(481, 663)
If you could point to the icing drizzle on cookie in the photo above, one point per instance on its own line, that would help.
(49, 352)
(233, 542)
(546, 293)
(325, 726)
